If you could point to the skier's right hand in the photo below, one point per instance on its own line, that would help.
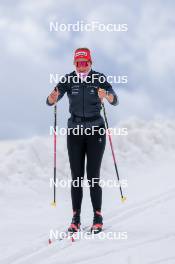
(52, 98)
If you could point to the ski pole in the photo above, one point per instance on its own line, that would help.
(53, 204)
(112, 149)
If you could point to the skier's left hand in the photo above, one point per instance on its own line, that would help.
(103, 94)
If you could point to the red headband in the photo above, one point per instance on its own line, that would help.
(82, 53)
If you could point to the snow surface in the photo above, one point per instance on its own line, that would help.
(146, 158)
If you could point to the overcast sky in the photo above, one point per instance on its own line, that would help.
(30, 52)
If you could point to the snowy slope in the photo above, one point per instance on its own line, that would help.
(145, 158)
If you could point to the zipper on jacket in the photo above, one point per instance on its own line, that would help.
(83, 101)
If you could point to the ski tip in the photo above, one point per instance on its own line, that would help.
(53, 204)
(123, 199)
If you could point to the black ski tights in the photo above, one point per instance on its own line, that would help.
(92, 146)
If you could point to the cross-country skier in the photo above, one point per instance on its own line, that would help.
(86, 89)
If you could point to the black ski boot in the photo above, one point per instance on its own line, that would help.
(97, 223)
(75, 224)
